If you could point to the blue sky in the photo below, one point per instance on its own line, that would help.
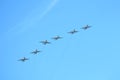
(92, 54)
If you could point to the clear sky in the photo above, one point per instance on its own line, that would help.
(92, 54)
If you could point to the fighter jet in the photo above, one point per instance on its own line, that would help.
(73, 31)
(45, 42)
(23, 59)
(56, 37)
(86, 27)
(35, 52)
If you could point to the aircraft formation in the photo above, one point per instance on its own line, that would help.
(45, 42)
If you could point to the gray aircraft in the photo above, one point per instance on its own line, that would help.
(56, 37)
(73, 31)
(45, 42)
(23, 59)
(35, 52)
(86, 27)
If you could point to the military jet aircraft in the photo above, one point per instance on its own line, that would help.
(73, 31)
(23, 59)
(35, 52)
(45, 42)
(56, 37)
(86, 27)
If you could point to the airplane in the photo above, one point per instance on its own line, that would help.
(73, 31)
(35, 52)
(45, 42)
(56, 37)
(86, 27)
(23, 59)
